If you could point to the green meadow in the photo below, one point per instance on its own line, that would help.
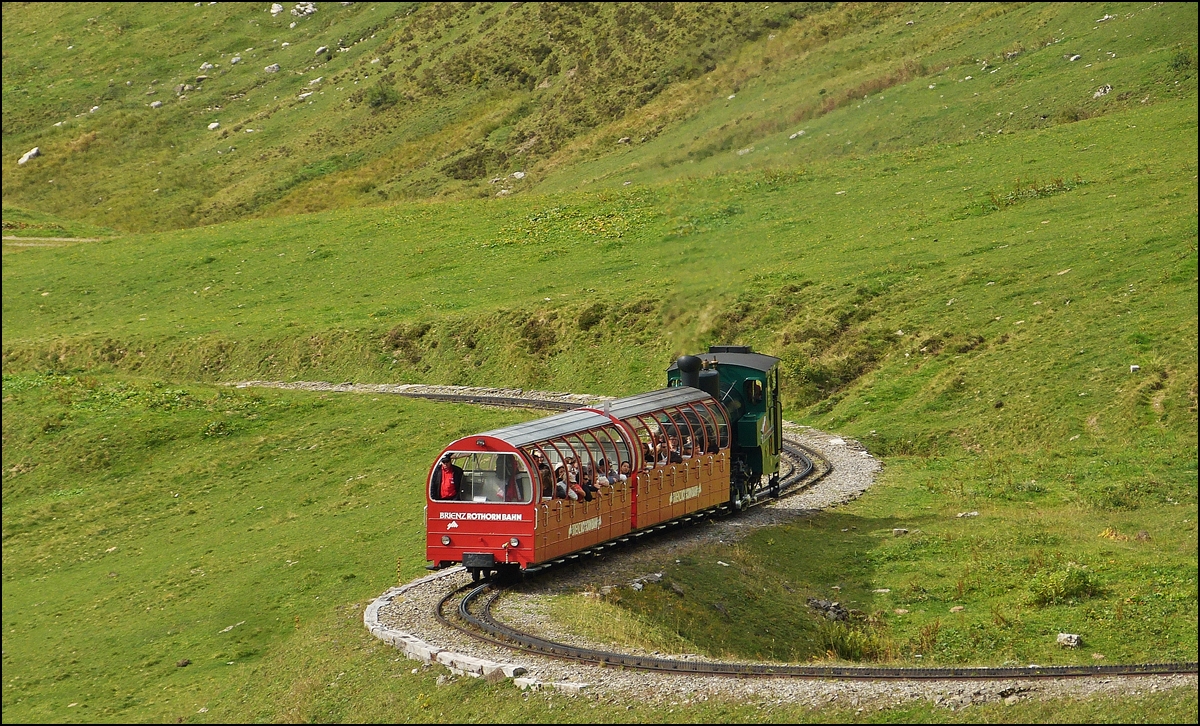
(990, 282)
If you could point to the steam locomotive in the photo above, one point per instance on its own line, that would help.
(527, 495)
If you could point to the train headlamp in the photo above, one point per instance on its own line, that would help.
(446, 539)
(514, 542)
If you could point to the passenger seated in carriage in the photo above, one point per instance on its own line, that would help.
(588, 488)
(509, 490)
(670, 453)
(545, 477)
(561, 488)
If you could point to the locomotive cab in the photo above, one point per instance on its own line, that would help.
(747, 386)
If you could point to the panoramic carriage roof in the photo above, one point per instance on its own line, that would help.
(550, 427)
(753, 361)
(580, 419)
(643, 403)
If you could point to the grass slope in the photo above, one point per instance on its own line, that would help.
(409, 99)
(148, 524)
(966, 304)
(447, 100)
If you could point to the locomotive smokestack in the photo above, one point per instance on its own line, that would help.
(689, 370)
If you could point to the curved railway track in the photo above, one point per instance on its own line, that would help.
(482, 625)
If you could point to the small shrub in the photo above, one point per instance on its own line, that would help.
(927, 637)
(850, 641)
(381, 96)
(591, 316)
(1182, 61)
(217, 428)
(1069, 583)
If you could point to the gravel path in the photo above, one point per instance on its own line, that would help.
(404, 616)
(418, 389)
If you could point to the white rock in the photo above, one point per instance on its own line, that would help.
(837, 442)
(1102, 91)
(214, 126)
(284, 44)
(34, 152)
(1074, 57)
(1132, 369)
(967, 514)
(273, 68)
(1069, 640)
(58, 123)
(503, 192)
(205, 66)
(572, 689)
(316, 80)
(94, 109)
(518, 175)
(731, 96)
(306, 94)
(797, 135)
(156, 104)
(235, 60)
(303, 9)
(321, 50)
(276, 8)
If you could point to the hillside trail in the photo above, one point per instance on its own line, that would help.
(14, 241)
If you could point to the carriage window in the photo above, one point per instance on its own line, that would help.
(481, 477)
(710, 429)
(614, 448)
(645, 440)
(754, 391)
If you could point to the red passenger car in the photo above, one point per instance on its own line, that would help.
(531, 493)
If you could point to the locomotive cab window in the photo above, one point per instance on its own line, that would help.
(753, 389)
(481, 477)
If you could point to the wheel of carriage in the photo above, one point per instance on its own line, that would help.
(738, 495)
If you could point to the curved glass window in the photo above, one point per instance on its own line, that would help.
(481, 477)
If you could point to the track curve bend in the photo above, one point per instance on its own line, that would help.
(807, 467)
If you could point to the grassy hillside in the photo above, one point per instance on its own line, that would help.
(407, 100)
(959, 272)
(241, 534)
(417, 101)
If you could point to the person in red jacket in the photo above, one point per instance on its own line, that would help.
(448, 478)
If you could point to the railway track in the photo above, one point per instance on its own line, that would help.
(473, 614)
(483, 625)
